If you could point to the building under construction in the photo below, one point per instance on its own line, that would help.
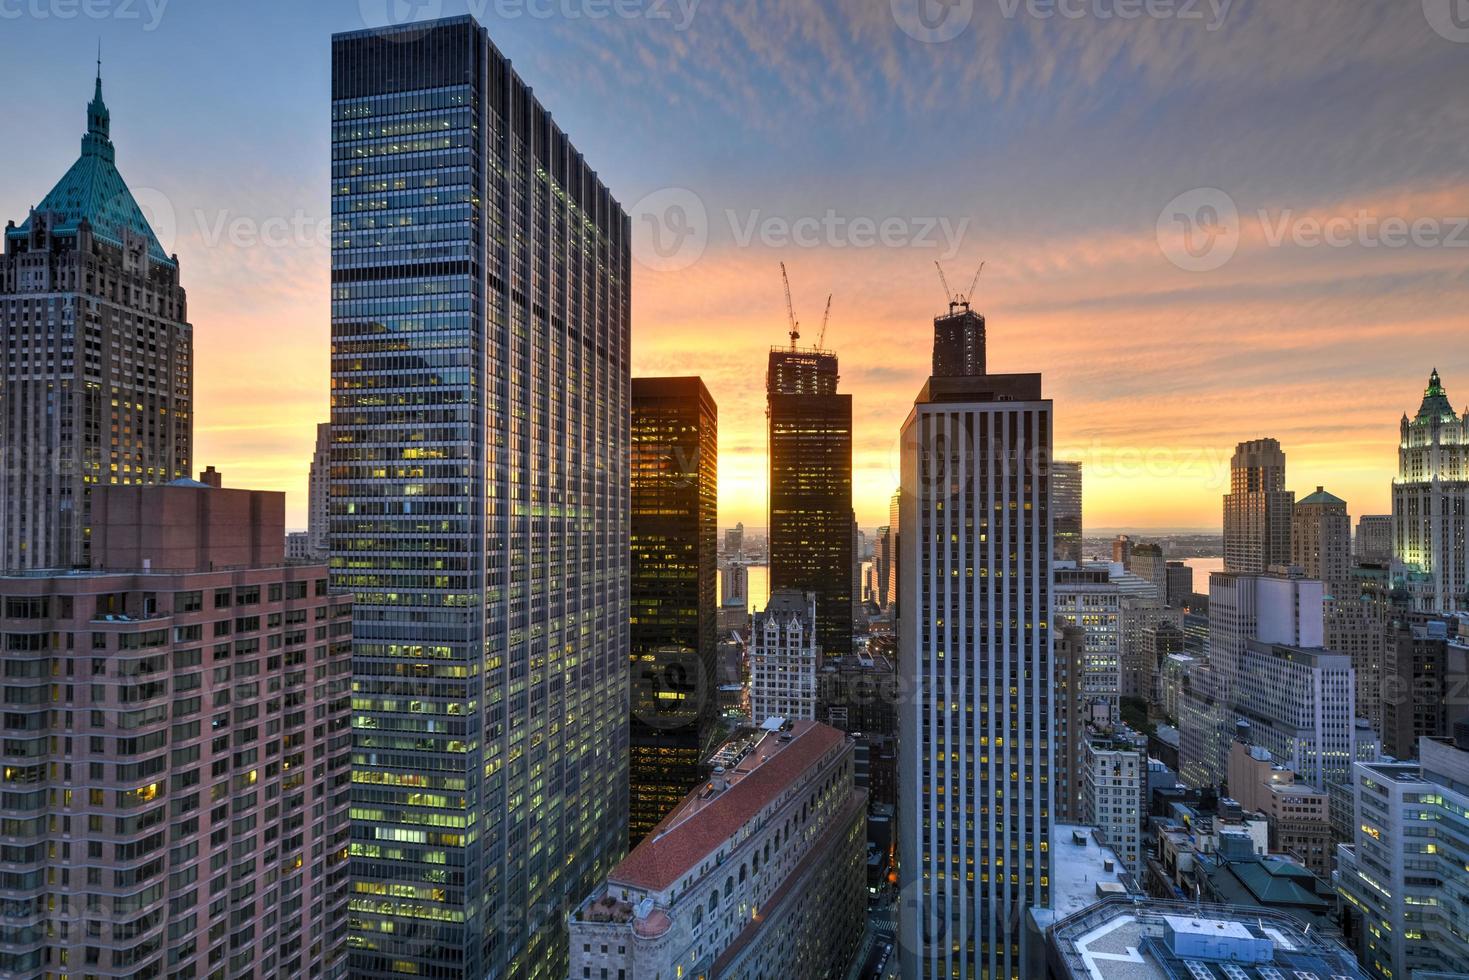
(812, 526)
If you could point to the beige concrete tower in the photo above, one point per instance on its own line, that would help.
(1257, 509)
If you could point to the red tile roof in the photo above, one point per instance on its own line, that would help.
(696, 827)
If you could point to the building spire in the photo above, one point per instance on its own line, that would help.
(1435, 387)
(99, 120)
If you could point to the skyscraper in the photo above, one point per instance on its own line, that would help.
(675, 451)
(958, 344)
(882, 566)
(895, 515)
(1357, 624)
(480, 508)
(1300, 704)
(736, 585)
(1066, 508)
(1257, 509)
(1273, 609)
(734, 540)
(1148, 562)
(1430, 503)
(319, 492)
(1178, 584)
(1088, 599)
(974, 642)
(98, 387)
(1321, 540)
(1071, 713)
(811, 522)
(1373, 543)
(1425, 672)
(1403, 875)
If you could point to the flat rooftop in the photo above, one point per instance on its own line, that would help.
(1127, 939)
(1079, 873)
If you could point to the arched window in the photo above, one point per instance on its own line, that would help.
(742, 874)
(714, 900)
(729, 882)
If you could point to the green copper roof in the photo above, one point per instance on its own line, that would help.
(1435, 401)
(93, 190)
(1322, 497)
(1276, 882)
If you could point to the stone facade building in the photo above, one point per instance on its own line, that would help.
(97, 384)
(177, 748)
(1257, 509)
(759, 873)
(1321, 540)
(1430, 503)
(783, 658)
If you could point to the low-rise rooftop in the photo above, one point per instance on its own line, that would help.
(1137, 939)
(1083, 871)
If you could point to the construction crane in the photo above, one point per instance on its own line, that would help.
(957, 300)
(973, 283)
(821, 338)
(790, 307)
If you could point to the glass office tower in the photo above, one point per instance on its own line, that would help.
(812, 526)
(479, 505)
(675, 536)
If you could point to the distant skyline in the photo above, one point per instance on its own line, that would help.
(1068, 153)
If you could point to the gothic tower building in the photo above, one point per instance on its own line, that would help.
(97, 386)
(1430, 503)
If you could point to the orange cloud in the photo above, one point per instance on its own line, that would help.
(1155, 372)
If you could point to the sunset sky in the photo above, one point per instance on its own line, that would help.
(1068, 152)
